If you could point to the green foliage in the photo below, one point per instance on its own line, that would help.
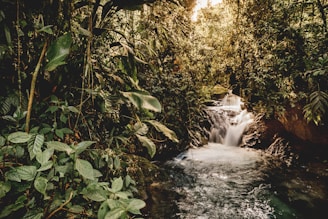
(127, 82)
(162, 128)
(317, 107)
(58, 51)
(273, 53)
(143, 100)
(65, 177)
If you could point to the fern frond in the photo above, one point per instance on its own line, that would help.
(317, 107)
(5, 107)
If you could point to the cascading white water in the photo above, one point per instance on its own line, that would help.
(237, 120)
(230, 121)
(224, 180)
(225, 176)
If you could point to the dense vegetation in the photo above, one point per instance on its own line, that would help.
(273, 53)
(87, 85)
(84, 86)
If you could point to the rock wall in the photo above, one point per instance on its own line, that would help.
(294, 123)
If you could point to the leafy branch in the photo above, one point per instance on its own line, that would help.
(317, 107)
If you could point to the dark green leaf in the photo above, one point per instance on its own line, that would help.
(45, 130)
(4, 189)
(2, 141)
(46, 29)
(59, 133)
(142, 100)
(7, 210)
(63, 118)
(82, 146)
(76, 209)
(52, 109)
(165, 130)
(149, 144)
(58, 52)
(37, 214)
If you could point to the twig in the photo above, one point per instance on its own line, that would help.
(61, 206)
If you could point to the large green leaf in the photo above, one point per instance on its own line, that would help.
(82, 146)
(146, 142)
(115, 213)
(143, 100)
(45, 166)
(61, 132)
(19, 137)
(43, 157)
(59, 146)
(94, 192)
(40, 184)
(34, 144)
(84, 168)
(135, 205)
(117, 184)
(58, 51)
(27, 173)
(102, 211)
(12, 175)
(165, 130)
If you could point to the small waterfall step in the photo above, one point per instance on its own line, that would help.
(229, 120)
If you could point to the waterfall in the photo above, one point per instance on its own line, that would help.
(224, 180)
(229, 121)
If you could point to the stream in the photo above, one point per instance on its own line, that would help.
(224, 180)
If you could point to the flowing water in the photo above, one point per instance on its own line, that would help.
(223, 180)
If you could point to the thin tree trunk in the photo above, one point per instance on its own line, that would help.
(32, 89)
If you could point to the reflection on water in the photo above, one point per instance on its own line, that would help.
(228, 183)
(218, 181)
